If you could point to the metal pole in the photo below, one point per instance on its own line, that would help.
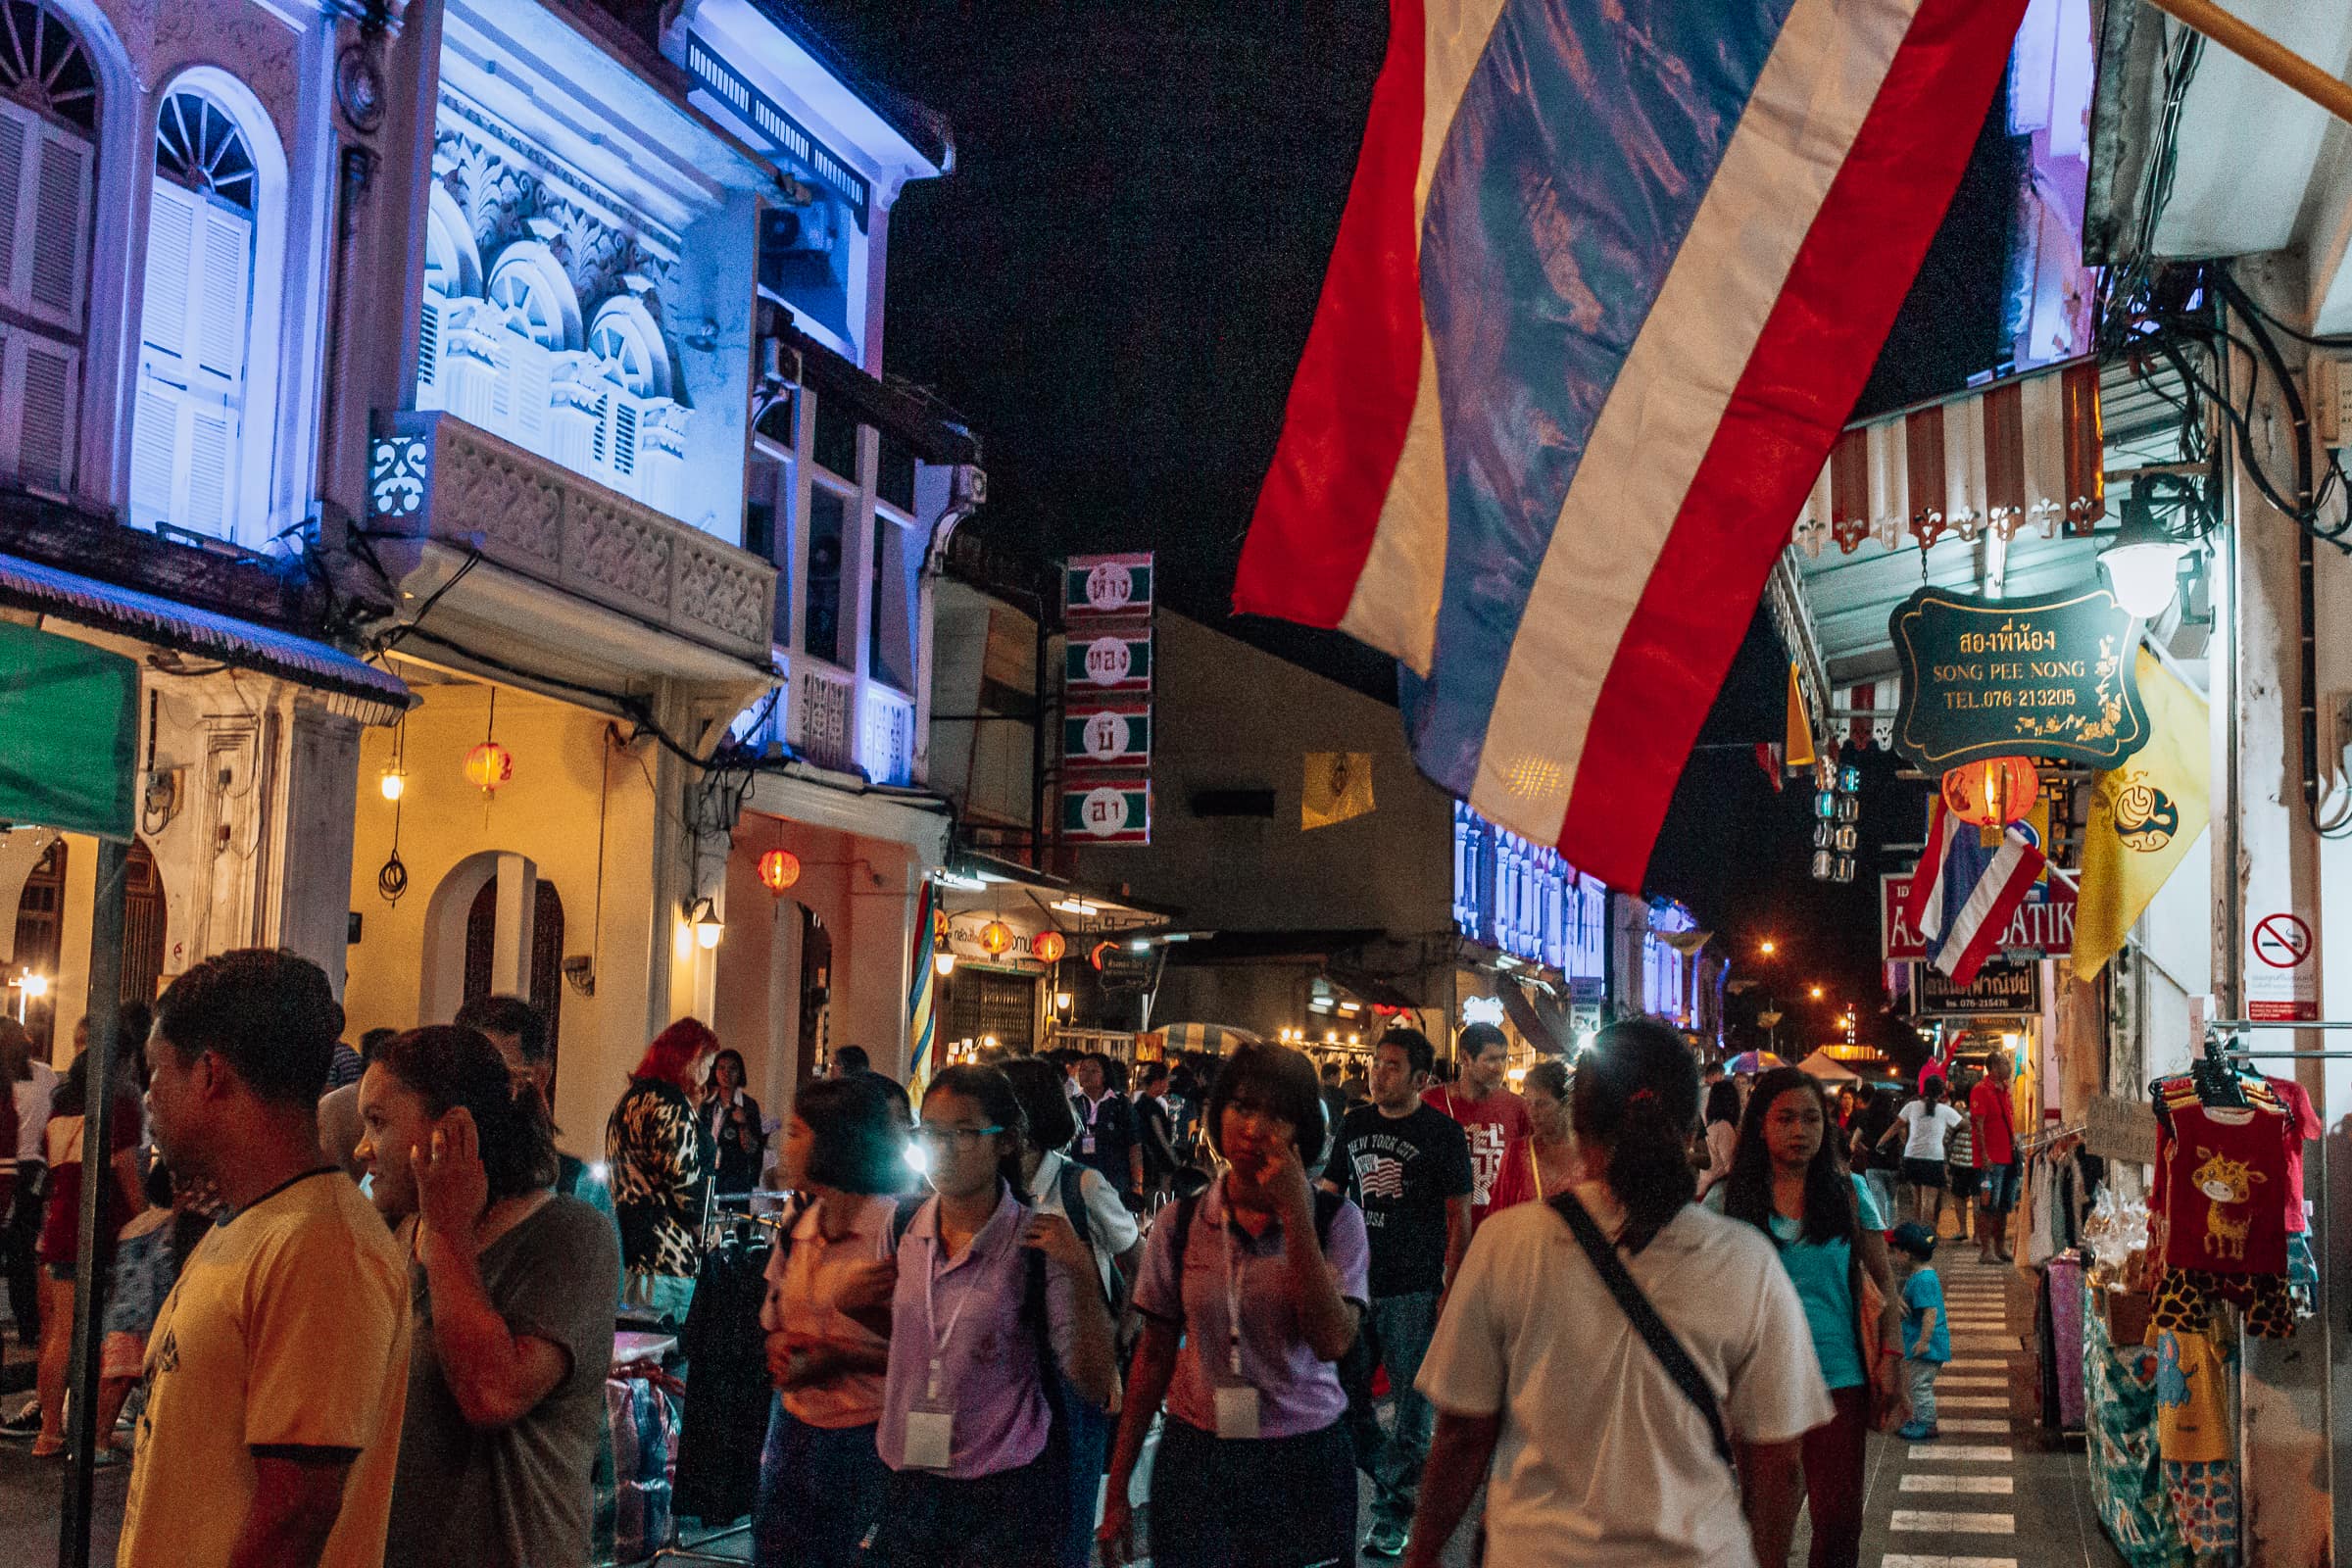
(97, 1169)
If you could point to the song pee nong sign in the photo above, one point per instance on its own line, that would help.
(2048, 677)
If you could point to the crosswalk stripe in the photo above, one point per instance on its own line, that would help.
(1966, 1381)
(1984, 1341)
(1988, 1485)
(1963, 1452)
(1907, 1559)
(1925, 1521)
(1975, 1402)
(1973, 1424)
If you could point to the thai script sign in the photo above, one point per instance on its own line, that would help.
(2037, 677)
(2044, 926)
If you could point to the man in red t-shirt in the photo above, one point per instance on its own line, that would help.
(1992, 1124)
(1503, 1160)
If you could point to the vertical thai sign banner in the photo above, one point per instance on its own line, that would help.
(1106, 677)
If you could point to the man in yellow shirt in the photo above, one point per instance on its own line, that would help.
(277, 1369)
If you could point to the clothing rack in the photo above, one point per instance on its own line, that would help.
(2034, 1145)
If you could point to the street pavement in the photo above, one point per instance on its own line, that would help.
(1991, 1494)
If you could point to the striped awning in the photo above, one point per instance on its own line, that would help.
(370, 695)
(2023, 454)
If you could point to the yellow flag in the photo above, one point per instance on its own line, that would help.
(2145, 817)
(1339, 787)
(1800, 750)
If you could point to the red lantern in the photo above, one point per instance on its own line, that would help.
(1992, 793)
(779, 870)
(996, 939)
(488, 766)
(1048, 947)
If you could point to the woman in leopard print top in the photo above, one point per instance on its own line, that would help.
(658, 1161)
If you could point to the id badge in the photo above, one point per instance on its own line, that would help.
(1237, 1411)
(1086, 1145)
(931, 1439)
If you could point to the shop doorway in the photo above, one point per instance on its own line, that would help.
(40, 933)
(546, 960)
(982, 1004)
(817, 995)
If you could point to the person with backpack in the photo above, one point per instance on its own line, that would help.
(1058, 1185)
(1250, 1292)
(1407, 1164)
(820, 1476)
(1603, 1356)
(991, 1300)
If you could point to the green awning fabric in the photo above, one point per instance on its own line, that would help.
(69, 734)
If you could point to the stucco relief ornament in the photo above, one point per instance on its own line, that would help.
(2005, 520)
(1809, 535)
(359, 88)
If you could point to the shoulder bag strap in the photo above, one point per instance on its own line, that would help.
(1644, 1318)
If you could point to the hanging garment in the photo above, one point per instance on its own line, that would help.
(2305, 1126)
(727, 1388)
(2225, 1174)
(2204, 1499)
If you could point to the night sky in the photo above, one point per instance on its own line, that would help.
(1113, 287)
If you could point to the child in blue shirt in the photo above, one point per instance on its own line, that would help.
(1927, 1335)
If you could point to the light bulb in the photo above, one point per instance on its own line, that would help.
(34, 986)
(393, 783)
(942, 964)
(707, 931)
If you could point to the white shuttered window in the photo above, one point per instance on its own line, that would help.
(191, 400)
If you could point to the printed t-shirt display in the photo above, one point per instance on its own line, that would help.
(1402, 1170)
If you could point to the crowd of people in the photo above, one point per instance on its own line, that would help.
(367, 1308)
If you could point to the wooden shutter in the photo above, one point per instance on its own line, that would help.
(428, 354)
(40, 387)
(194, 331)
(44, 217)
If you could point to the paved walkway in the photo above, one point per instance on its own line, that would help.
(1992, 1492)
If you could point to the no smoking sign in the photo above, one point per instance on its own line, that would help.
(2282, 983)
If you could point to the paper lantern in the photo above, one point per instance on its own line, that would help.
(1993, 793)
(488, 766)
(1048, 947)
(996, 939)
(779, 870)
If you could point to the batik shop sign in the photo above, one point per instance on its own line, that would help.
(2044, 926)
(2048, 677)
(1999, 989)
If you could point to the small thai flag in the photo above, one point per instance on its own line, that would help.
(1964, 894)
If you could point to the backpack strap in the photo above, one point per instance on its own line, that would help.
(1071, 1182)
(1644, 1318)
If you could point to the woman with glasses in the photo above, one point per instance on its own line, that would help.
(1250, 1295)
(987, 1294)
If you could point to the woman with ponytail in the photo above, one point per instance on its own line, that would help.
(513, 1291)
(1603, 1356)
(989, 1295)
(1789, 1183)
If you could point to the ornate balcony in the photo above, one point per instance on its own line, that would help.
(431, 475)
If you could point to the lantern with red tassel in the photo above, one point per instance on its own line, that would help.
(1992, 793)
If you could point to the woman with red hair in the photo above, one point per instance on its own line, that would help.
(657, 1158)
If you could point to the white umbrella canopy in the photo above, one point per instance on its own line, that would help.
(1822, 1066)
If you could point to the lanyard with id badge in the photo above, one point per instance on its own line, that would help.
(1237, 1399)
(1093, 1108)
(931, 1424)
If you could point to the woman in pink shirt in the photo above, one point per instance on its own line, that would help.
(821, 1478)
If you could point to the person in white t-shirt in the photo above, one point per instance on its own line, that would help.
(1545, 1393)
(1926, 1125)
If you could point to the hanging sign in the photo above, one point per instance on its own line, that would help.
(1107, 812)
(2038, 677)
(2000, 988)
(1107, 732)
(1108, 659)
(1107, 585)
(2044, 925)
(2282, 983)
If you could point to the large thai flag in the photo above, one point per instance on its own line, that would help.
(1964, 894)
(1608, 282)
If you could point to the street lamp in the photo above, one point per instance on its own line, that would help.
(1817, 993)
(1767, 947)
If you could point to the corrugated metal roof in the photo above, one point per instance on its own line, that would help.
(87, 601)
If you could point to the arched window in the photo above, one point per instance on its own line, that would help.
(48, 153)
(453, 271)
(542, 317)
(195, 325)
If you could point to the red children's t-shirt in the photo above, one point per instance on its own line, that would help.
(2304, 1125)
(2224, 1170)
(1503, 1161)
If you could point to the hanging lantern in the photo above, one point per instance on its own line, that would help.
(996, 939)
(1992, 793)
(779, 870)
(488, 766)
(1048, 947)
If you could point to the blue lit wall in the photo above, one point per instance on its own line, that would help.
(1521, 898)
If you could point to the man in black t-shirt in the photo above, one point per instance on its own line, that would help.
(1106, 1131)
(1407, 1166)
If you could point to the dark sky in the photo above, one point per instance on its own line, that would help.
(1113, 287)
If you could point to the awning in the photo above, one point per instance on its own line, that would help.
(377, 696)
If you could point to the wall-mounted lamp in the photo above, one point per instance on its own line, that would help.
(707, 927)
(942, 963)
(2143, 563)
